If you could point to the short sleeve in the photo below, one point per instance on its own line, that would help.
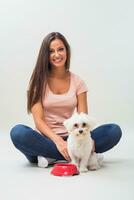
(81, 87)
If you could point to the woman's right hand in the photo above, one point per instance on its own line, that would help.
(62, 147)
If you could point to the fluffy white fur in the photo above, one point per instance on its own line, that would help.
(80, 143)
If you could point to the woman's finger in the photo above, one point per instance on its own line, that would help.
(66, 155)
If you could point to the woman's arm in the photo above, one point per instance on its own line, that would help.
(82, 103)
(39, 120)
(83, 107)
(38, 116)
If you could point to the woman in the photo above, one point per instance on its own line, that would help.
(54, 94)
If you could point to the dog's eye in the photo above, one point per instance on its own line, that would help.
(84, 124)
(76, 125)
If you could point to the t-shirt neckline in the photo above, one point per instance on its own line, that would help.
(64, 92)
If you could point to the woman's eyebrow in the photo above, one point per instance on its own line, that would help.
(57, 47)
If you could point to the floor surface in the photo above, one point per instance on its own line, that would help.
(114, 181)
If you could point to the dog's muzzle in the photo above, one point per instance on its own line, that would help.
(80, 131)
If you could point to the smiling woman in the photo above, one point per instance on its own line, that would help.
(54, 94)
(58, 54)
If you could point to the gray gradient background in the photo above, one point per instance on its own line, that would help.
(101, 36)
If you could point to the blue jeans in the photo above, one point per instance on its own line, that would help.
(32, 144)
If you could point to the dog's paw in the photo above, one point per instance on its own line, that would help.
(83, 169)
(94, 167)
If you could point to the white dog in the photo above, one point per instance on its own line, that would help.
(80, 143)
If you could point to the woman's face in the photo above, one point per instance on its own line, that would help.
(57, 53)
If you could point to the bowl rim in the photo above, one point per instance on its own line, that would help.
(65, 166)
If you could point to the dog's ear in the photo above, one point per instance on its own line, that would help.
(90, 120)
(66, 124)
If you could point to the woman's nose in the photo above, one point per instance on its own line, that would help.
(56, 54)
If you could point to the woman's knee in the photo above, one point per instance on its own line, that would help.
(17, 133)
(115, 133)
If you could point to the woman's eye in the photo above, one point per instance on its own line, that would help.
(61, 49)
(50, 51)
(84, 124)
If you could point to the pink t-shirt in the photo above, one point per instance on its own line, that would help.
(59, 107)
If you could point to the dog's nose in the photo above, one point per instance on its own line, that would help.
(80, 131)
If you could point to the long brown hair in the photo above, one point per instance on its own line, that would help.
(42, 69)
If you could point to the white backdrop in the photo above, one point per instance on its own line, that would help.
(101, 37)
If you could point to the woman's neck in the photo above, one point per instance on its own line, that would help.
(59, 74)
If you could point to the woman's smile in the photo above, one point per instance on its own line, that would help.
(58, 54)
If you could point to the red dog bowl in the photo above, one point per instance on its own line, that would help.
(62, 169)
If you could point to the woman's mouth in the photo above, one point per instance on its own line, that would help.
(57, 60)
